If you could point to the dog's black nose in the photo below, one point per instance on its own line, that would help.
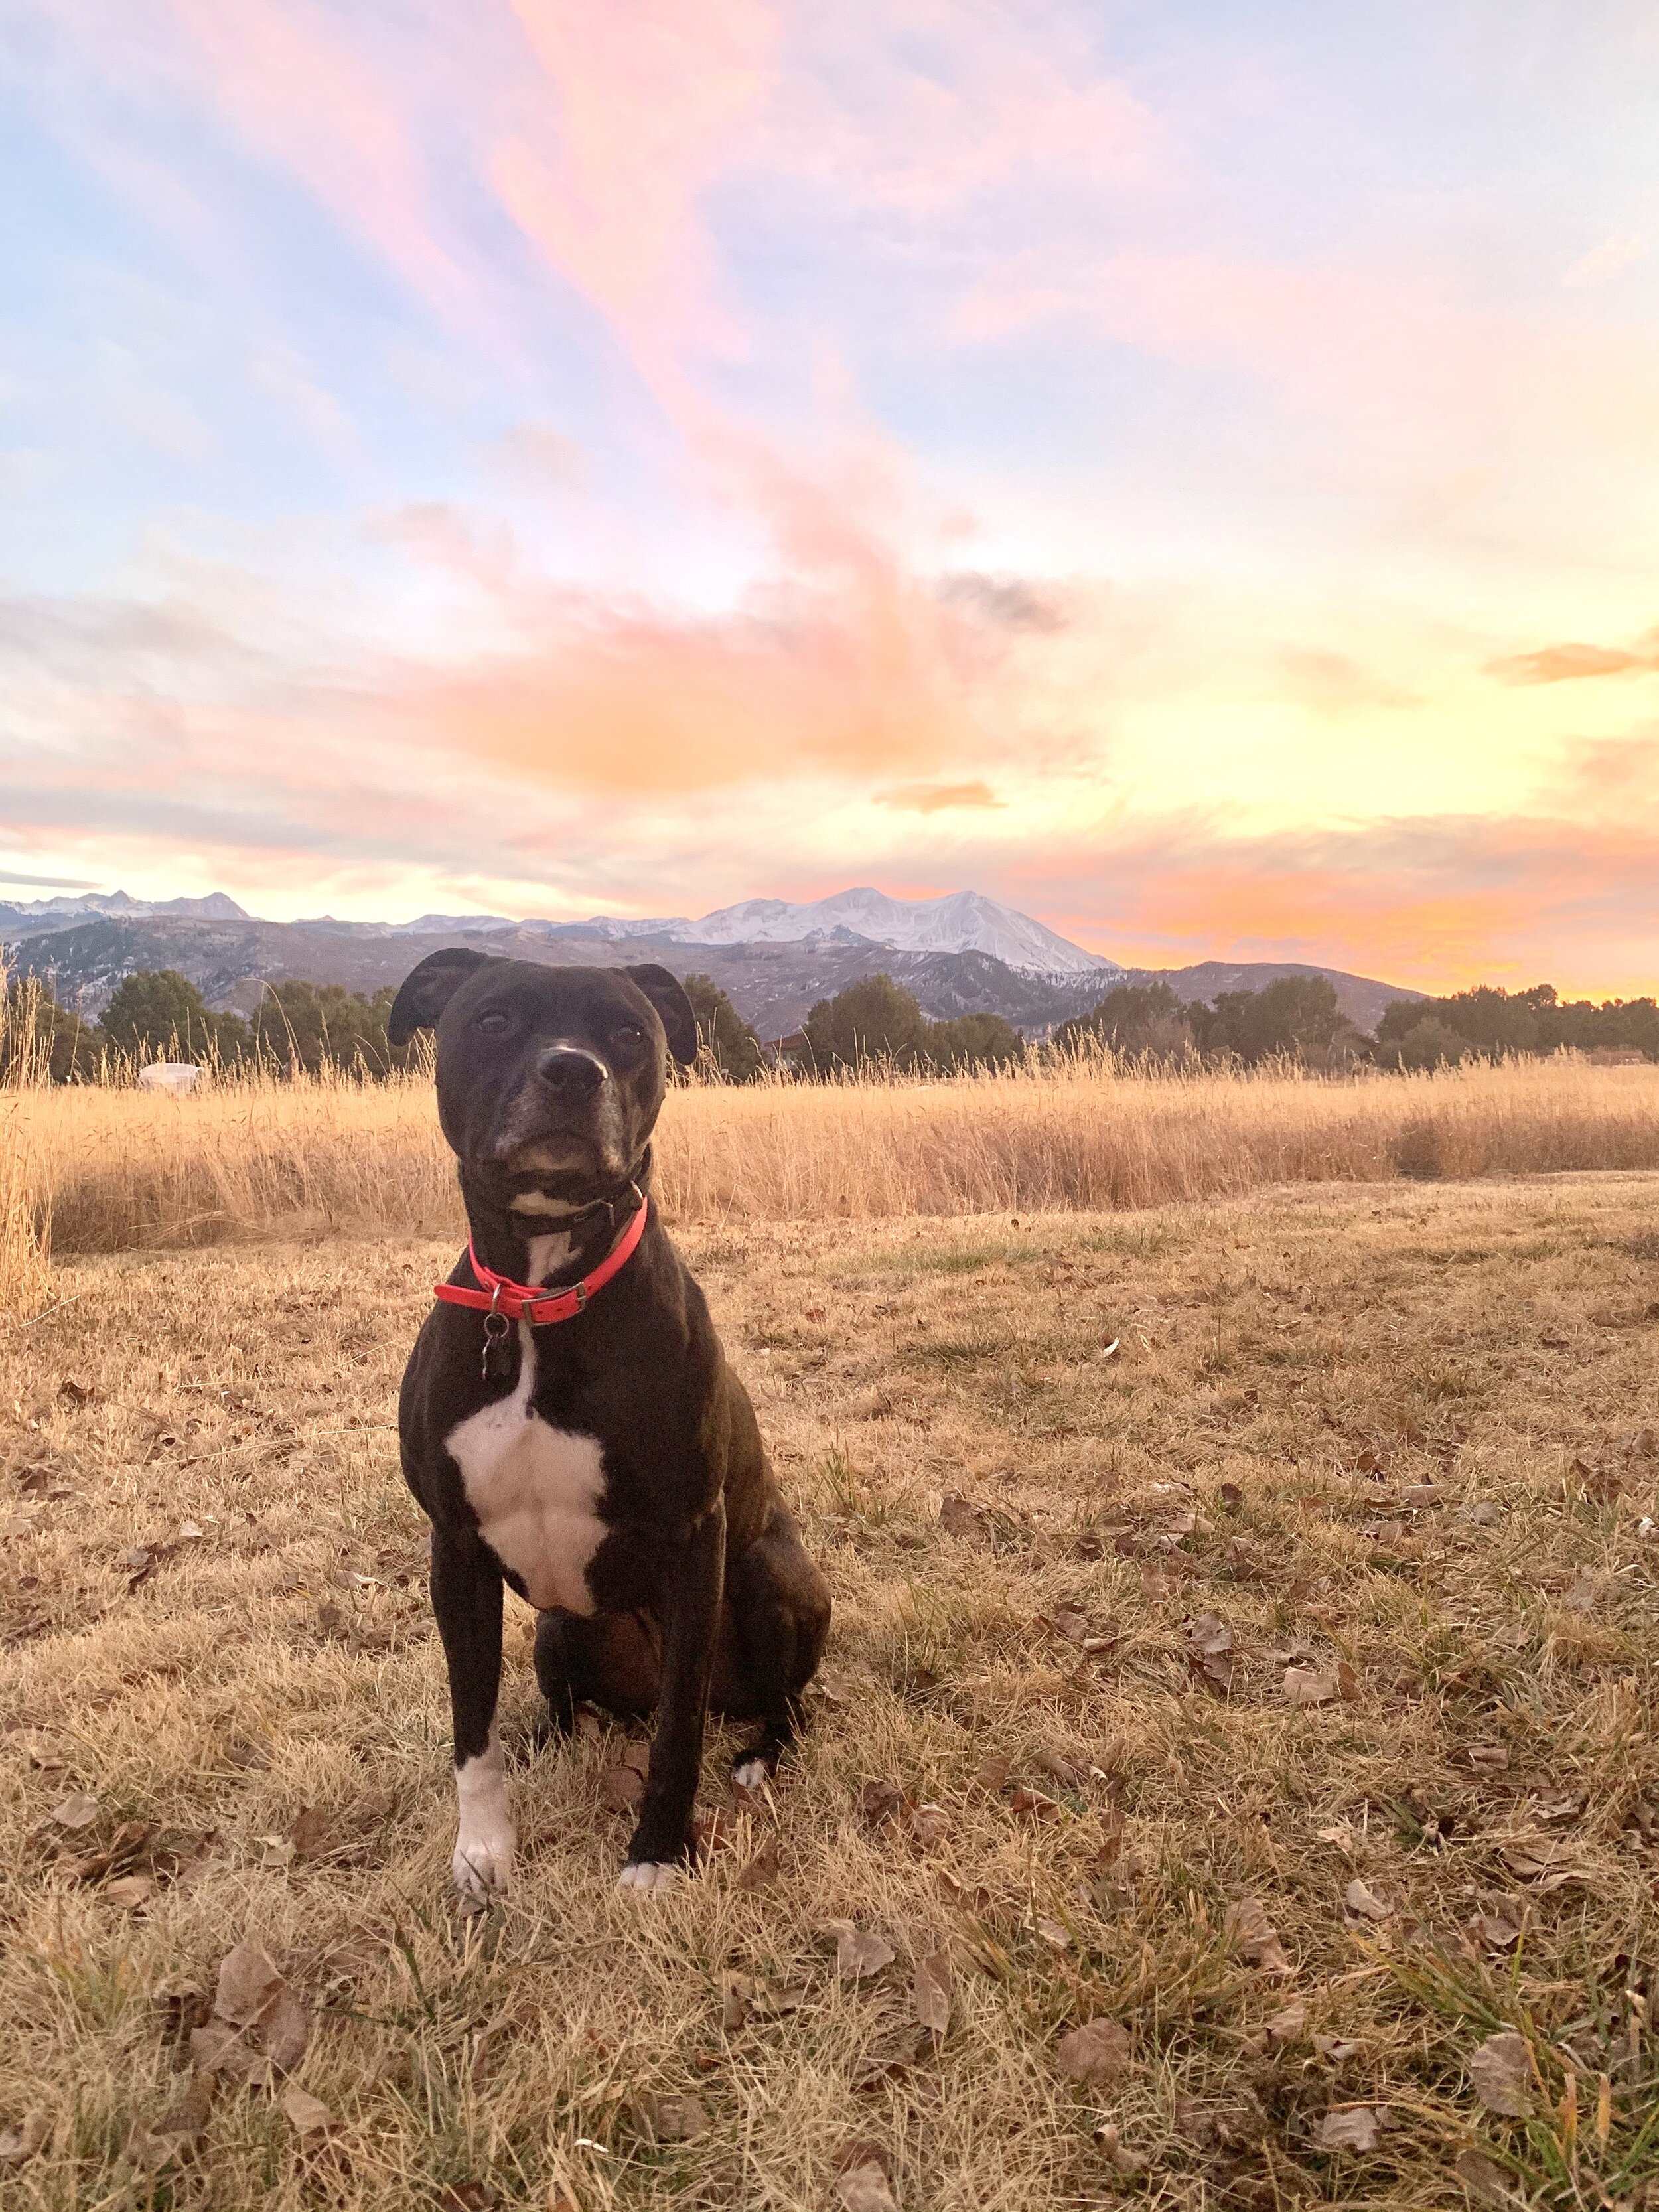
(570, 1072)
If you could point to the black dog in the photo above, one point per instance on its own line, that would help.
(589, 1445)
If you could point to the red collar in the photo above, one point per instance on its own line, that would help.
(523, 1301)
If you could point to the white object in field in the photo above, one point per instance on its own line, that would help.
(177, 1076)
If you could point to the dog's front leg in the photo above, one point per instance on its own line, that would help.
(466, 1597)
(662, 1841)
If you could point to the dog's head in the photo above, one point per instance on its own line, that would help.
(549, 1080)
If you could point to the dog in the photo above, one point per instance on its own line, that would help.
(567, 1419)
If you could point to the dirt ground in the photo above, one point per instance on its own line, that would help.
(1244, 1643)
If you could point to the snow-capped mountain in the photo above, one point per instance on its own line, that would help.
(962, 921)
(845, 921)
(63, 912)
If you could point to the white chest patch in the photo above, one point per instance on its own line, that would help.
(535, 1489)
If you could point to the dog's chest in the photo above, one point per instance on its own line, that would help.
(536, 1490)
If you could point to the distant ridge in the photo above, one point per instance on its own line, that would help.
(771, 985)
(961, 921)
(25, 917)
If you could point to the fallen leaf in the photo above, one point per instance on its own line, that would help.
(1058, 1938)
(1065, 1771)
(669, 2119)
(77, 1811)
(1097, 2052)
(308, 1833)
(76, 1392)
(1484, 2179)
(864, 2185)
(1109, 2140)
(182, 2125)
(190, 1532)
(1336, 2048)
(137, 1565)
(287, 2030)
(1501, 2075)
(1489, 1757)
(881, 1801)
(976, 1899)
(1208, 1635)
(1287, 2026)
(1544, 1861)
(1486, 1513)
(1599, 1485)
(992, 1773)
(931, 1992)
(26, 2138)
(957, 1517)
(858, 1952)
(251, 1997)
(1493, 1931)
(1311, 1685)
(777, 2000)
(1032, 1805)
(248, 1985)
(621, 1789)
(927, 1825)
(310, 2115)
(1231, 1497)
(1254, 1937)
(1353, 2128)
(131, 1892)
(761, 1870)
(1365, 1902)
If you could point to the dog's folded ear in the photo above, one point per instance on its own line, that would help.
(427, 989)
(667, 994)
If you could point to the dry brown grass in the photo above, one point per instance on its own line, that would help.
(119, 1169)
(1291, 1369)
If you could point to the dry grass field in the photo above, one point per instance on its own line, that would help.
(1245, 1639)
(117, 1168)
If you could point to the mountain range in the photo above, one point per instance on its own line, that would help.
(962, 953)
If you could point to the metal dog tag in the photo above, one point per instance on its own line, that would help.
(496, 1328)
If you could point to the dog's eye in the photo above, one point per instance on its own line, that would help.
(627, 1033)
(495, 1021)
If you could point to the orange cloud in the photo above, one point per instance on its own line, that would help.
(1566, 664)
(1436, 905)
(936, 797)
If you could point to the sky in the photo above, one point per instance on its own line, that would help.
(1190, 471)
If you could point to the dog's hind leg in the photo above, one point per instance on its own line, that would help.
(782, 1602)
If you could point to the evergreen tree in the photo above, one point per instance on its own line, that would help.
(722, 1032)
(157, 1013)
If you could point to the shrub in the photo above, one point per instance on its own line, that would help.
(157, 1013)
(1134, 1019)
(723, 1033)
(300, 1025)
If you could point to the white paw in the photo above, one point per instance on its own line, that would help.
(641, 1876)
(482, 1865)
(751, 1774)
(482, 1861)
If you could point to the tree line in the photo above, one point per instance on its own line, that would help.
(158, 1013)
(1298, 1017)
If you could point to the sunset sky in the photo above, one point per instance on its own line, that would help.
(1190, 471)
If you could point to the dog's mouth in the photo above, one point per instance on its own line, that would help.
(558, 1175)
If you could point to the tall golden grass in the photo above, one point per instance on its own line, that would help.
(103, 1168)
